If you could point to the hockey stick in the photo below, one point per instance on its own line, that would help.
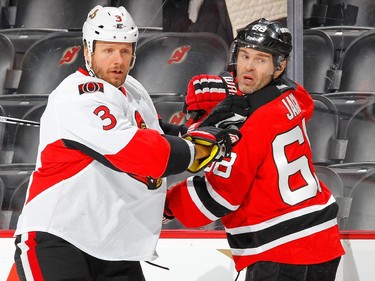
(16, 121)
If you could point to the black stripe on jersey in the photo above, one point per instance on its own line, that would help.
(213, 206)
(261, 237)
(270, 93)
(90, 152)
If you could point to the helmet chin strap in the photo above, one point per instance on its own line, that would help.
(88, 64)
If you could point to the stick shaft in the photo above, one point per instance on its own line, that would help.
(16, 121)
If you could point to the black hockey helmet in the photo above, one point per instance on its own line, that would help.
(263, 35)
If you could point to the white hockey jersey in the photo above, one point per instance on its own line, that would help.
(98, 179)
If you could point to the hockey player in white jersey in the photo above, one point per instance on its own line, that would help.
(95, 201)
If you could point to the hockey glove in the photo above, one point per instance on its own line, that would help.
(204, 92)
(219, 140)
(233, 110)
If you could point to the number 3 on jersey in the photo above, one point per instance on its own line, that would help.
(104, 114)
(286, 169)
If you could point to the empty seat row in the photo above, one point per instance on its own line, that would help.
(342, 136)
(338, 13)
(351, 71)
(356, 205)
(70, 14)
(175, 57)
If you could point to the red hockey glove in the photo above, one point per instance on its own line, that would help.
(219, 140)
(204, 92)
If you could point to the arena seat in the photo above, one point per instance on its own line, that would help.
(7, 54)
(145, 13)
(362, 211)
(23, 38)
(170, 108)
(331, 179)
(12, 175)
(357, 64)
(322, 130)
(17, 201)
(360, 133)
(342, 37)
(62, 14)
(26, 138)
(318, 59)
(47, 62)
(19, 167)
(167, 61)
(335, 184)
(347, 104)
(350, 12)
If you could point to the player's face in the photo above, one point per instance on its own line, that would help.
(111, 61)
(255, 70)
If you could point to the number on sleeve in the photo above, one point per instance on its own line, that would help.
(224, 167)
(104, 114)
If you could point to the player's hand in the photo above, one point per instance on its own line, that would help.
(232, 111)
(219, 142)
(204, 92)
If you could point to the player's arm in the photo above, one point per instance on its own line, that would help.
(198, 201)
(105, 134)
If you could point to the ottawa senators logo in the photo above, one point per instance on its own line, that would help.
(90, 87)
(179, 54)
(150, 182)
(70, 55)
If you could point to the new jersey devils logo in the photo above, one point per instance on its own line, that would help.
(70, 55)
(177, 118)
(179, 54)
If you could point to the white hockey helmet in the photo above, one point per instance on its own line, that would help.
(110, 24)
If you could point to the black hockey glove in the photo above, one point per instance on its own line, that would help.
(232, 111)
(219, 140)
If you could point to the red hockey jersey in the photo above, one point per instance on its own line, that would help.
(270, 201)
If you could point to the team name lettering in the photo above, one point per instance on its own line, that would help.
(292, 106)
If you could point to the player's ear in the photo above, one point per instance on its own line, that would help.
(279, 69)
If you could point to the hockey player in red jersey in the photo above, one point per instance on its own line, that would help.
(94, 205)
(280, 220)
